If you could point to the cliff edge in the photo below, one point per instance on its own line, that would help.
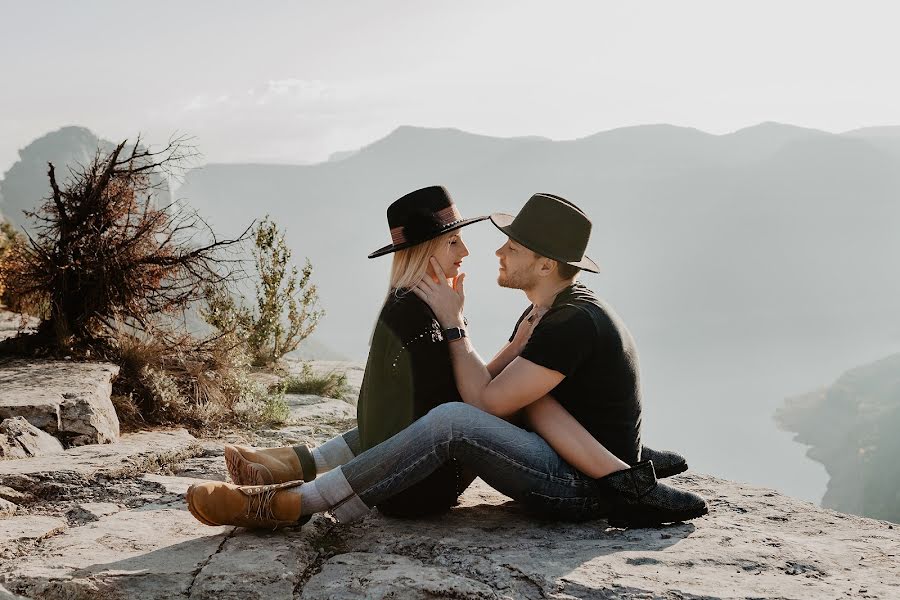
(109, 521)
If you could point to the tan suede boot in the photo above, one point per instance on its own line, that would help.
(218, 503)
(265, 466)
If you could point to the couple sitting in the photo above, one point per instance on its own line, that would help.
(552, 421)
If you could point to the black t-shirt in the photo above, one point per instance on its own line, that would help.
(582, 338)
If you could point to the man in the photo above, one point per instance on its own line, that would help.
(579, 354)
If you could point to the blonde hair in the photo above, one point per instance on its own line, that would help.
(411, 264)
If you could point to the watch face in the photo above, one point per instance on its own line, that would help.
(454, 333)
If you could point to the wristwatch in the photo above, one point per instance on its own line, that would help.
(454, 333)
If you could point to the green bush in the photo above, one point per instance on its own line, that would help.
(286, 305)
(329, 385)
(258, 405)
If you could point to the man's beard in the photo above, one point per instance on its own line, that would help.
(513, 281)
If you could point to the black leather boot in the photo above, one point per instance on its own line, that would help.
(665, 462)
(639, 500)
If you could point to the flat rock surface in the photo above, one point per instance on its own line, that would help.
(755, 543)
(124, 532)
(29, 527)
(68, 399)
(314, 410)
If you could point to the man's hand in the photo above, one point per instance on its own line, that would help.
(445, 301)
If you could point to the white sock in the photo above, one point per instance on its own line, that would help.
(321, 462)
(332, 454)
(311, 500)
(331, 492)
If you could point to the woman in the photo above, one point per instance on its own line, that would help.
(408, 373)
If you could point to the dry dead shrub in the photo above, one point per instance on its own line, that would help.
(113, 274)
(103, 251)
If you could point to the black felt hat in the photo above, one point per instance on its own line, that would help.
(420, 216)
(551, 226)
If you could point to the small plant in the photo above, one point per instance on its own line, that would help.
(205, 387)
(329, 385)
(286, 311)
(260, 405)
(10, 240)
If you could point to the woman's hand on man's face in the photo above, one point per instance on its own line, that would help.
(444, 299)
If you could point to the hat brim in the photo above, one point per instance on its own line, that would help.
(451, 227)
(502, 221)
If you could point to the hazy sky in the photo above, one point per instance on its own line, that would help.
(296, 81)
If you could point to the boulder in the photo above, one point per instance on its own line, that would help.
(21, 439)
(7, 508)
(68, 399)
(8, 493)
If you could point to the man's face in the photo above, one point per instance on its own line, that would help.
(517, 266)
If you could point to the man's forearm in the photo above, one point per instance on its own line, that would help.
(502, 359)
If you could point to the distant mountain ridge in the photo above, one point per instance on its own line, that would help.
(628, 176)
(25, 185)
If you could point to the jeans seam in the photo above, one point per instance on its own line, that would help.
(384, 482)
(520, 466)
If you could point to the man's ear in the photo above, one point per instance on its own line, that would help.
(546, 266)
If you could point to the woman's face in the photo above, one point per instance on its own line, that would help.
(450, 255)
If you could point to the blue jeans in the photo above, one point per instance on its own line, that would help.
(517, 463)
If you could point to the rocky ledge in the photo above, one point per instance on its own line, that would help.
(109, 521)
(68, 399)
